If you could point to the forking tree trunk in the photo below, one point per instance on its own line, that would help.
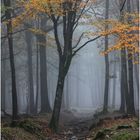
(106, 90)
(65, 52)
(7, 3)
(64, 64)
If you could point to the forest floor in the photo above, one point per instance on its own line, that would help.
(73, 126)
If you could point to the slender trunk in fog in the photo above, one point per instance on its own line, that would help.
(7, 3)
(67, 94)
(124, 84)
(66, 52)
(58, 98)
(136, 73)
(124, 71)
(63, 102)
(37, 79)
(41, 39)
(3, 82)
(106, 90)
(130, 71)
(137, 5)
(114, 84)
(29, 37)
(77, 85)
(64, 64)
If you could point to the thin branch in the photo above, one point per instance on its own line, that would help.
(15, 32)
(29, 27)
(78, 41)
(123, 5)
(6, 58)
(59, 49)
(81, 12)
(85, 44)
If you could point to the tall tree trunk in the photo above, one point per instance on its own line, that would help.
(106, 90)
(124, 72)
(41, 39)
(67, 94)
(130, 72)
(37, 79)
(114, 84)
(65, 53)
(124, 83)
(3, 82)
(58, 98)
(137, 5)
(7, 3)
(30, 71)
(136, 72)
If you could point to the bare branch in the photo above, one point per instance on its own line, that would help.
(59, 49)
(78, 41)
(30, 27)
(123, 5)
(85, 44)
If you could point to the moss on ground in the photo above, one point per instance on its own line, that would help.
(126, 136)
(116, 129)
(26, 129)
(9, 133)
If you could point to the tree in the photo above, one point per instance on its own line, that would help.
(106, 62)
(8, 14)
(3, 82)
(126, 42)
(67, 51)
(29, 36)
(130, 71)
(41, 40)
(127, 33)
(124, 84)
(30, 10)
(114, 81)
(37, 74)
(70, 12)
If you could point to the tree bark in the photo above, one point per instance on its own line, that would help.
(58, 99)
(106, 90)
(130, 71)
(124, 76)
(3, 82)
(65, 52)
(7, 3)
(65, 58)
(124, 84)
(37, 79)
(30, 71)
(136, 72)
(41, 39)
(114, 84)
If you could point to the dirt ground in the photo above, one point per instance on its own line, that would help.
(73, 126)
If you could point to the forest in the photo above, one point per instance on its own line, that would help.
(69, 69)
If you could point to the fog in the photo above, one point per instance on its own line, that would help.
(84, 83)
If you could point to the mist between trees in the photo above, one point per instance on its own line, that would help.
(69, 55)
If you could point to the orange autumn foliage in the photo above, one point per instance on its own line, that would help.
(33, 8)
(127, 33)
